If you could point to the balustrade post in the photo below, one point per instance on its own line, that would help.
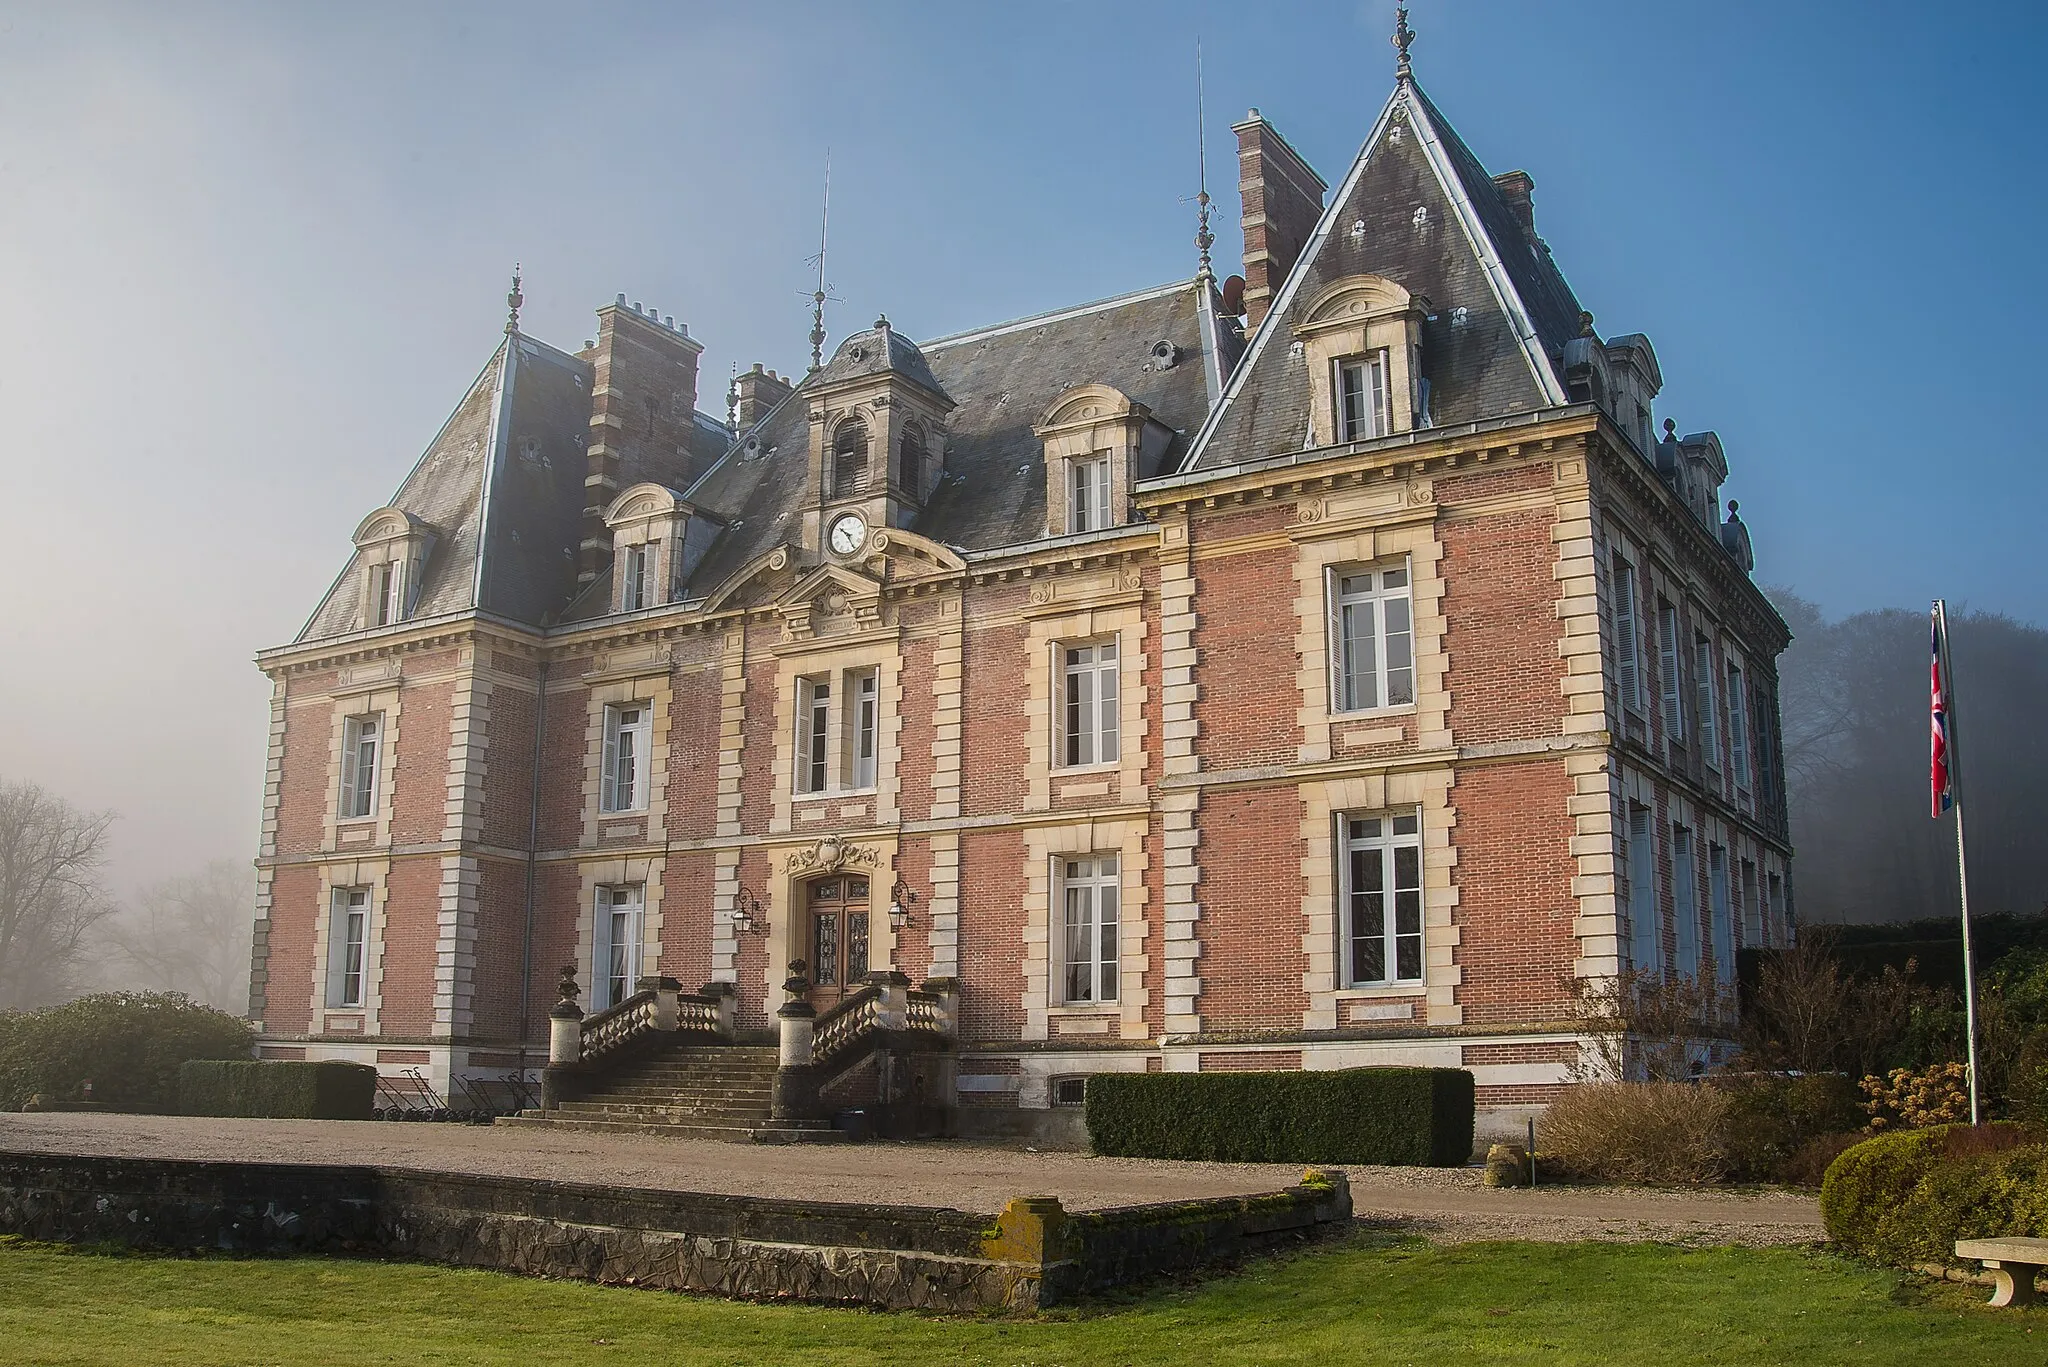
(665, 991)
(565, 1024)
(796, 1019)
(892, 1010)
(947, 990)
(727, 997)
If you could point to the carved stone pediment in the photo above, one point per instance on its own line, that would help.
(830, 855)
(831, 598)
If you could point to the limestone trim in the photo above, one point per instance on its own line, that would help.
(656, 693)
(387, 701)
(1179, 729)
(834, 661)
(461, 877)
(1317, 561)
(1045, 845)
(1044, 671)
(266, 851)
(373, 874)
(732, 730)
(1321, 805)
(725, 939)
(593, 874)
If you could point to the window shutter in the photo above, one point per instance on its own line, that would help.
(1625, 631)
(608, 785)
(1109, 701)
(1333, 637)
(351, 738)
(1059, 704)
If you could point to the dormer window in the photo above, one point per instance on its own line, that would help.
(1088, 493)
(391, 552)
(657, 540)
(1362, 397)
(636, 578)
(910, 461)
(1362, 341)
(387, 592)
(850, 458)
(1098, 445)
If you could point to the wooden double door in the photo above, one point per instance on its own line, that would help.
(836, 943)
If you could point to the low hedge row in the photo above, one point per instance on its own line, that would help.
(1417, 1116)
(1906, 1197)
(277, 1090)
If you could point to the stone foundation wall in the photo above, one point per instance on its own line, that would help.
(1031, 1255)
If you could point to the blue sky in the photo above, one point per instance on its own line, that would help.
(251, 255)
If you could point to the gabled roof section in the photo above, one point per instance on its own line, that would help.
(1416, 208)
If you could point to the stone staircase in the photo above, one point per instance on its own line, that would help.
(684, 1089)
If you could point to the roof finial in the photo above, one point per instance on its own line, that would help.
(514, 300)
(732, 400)
(1204, 239)
(1403, 36)
(819, 295)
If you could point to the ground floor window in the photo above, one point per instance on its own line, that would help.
(348, 942)
(1088, 890)
(1382, 895)
(615, 948)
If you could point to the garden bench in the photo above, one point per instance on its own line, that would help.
(2012, 1264)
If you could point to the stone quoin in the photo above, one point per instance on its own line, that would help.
(1305, 671)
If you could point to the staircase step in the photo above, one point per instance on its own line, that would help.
(768, 1132)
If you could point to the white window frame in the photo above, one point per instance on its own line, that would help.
(862, 697)
(813, 734)
(1088, 487)
(636, 576)
(1670, 665)
(1720, 913)
(625, 781)
(617, 942)
(1645, 925)
(387, 589)
(1738, 724)
(1375, 596)
(1363, 411)
(1091, 893)
(1754, 934)
(1089, 718)
(1628, 632)
(1685, 899)
(1707, 701)
(1387, 845)
(348, 947)
(362, 763)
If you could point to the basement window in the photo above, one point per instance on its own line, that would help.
(1069, 1091)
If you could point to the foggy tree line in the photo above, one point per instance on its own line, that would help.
(1854, 693)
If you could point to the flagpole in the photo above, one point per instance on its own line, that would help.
(1955, 778)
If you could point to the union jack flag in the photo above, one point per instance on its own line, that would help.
(1943, 782)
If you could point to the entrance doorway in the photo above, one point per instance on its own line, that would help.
(837, 946)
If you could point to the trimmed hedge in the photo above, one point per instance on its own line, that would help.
(1415, 1116)
(1905, 1198)
(128, 1045)
(277, 1090)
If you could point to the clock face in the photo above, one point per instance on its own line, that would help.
(847, 534)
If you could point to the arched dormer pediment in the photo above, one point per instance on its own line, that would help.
(914, 556)
(1361, 338)
(643, 501)
(1086, 403)
(658, 539)
(389, 524)
(392, 546)
(1098, 443)
(1354, 299)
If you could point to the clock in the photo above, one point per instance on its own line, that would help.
(848, 533)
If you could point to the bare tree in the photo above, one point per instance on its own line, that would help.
(191, 934)
(50, 893)
(1647, 1027)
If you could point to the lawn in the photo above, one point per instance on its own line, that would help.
(1371, 1301)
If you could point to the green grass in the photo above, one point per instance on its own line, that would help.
(1368, 1302)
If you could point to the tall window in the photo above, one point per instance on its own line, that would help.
(1738, 727)
(348, 939)
(1720, 915)
(624, 786)
(1752, 909)
(1088, 494)
(1710, 716)
(1382, 899)
(1089, 703)
(615, 944)
(362, 742)
(910, 461)
(862, 687)
(1774, 904)
(636, 578)
(1685, 900)
(1628, 673)
(1645, 926)
(1372, 641)
(813, 734)
(837, 731)
(1362, 397)
(850, 458)
(1089, 890)
(1668, 669)
(387, 593)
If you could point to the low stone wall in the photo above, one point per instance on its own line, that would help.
(1032, 1254)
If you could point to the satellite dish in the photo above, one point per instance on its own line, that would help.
(1233, 296)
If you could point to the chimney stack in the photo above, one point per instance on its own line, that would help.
(643, 406)
(1515, 188)
(759, 391)
(1282, 200)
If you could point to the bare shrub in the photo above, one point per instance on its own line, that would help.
(1639, 1132)
(1647, 1027)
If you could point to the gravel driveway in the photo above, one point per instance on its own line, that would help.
(1445, 1204)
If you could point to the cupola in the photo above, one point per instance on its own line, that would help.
(878, 439)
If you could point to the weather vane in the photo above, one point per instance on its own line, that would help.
(1204, 239)
(1403, 37)
(514, 299)
(823, 290)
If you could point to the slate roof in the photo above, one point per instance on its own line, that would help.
(1419, 209)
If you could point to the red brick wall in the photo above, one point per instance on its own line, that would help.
(412, 913)
(1251, 925)
(995, 730)
(508, 772)
(419, 775)
(563, 763)
(1255, 1061)
(304, 778)
(1500, 609)
(1244, 636)
(693, 754)
(500, 947)
(1515, 905)
(295, 910)
(686, 917)
(1480, 1055)
(992, 935)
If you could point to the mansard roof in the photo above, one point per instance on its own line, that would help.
(1417, 209)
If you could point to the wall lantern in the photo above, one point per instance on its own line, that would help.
(901, 899)
(748, 915)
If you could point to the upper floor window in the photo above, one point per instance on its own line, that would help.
(1668, 671)
(616, 932)
(1685, 900)
(1089, 890)
(863, 690)
(348, 938)
(1645, 926)
(623, 788)
(1372, 642)
(1362, 397)
(636, 577)
(1628, 672)
(1088, 494)
(910, 461)
(1382, 899)
(837, 725)
(362, 744)
(850, 458)
(1089, 710)
(1738, 727)
(1720, 914)
(387, 593)
(1752, 908)
(1707, 702)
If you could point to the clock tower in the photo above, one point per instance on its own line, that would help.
(878, 441)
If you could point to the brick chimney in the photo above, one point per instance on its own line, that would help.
(759, 391)
(643, 408)
(1515, 188)
(1282, 199)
